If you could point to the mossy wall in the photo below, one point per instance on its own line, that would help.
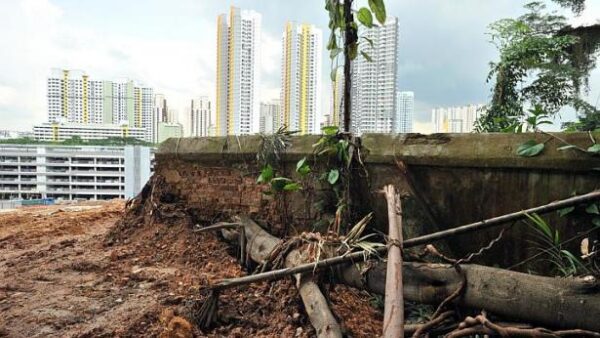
(460, 178)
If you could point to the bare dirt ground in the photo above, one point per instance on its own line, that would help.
(90, 270)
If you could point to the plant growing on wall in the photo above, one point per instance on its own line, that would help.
(344, 23)
(543, 62)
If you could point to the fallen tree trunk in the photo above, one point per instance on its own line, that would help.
(554, 302)
(259, 246)
(360, 256)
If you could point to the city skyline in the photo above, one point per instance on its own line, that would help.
(73, 36)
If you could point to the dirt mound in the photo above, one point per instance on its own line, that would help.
(135, 269)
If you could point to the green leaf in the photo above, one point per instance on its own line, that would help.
(300, 163)
(592, 209)
(332, 44)
(266, 174)
(330, 130)
(368, 40)
(365, 17)
(333, 176)
(302, 167)
(292, 187)
(565, 211)
(595, 149)
(279, 183)
(366, 56)
(540, 224)
(378, 7)
(335, 52)
(530, 149)
(596, 221)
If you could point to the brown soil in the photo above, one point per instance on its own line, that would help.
(94, 270)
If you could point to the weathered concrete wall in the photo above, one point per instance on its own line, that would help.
(461, 177)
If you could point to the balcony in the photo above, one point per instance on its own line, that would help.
(9, 168)
(57, 169)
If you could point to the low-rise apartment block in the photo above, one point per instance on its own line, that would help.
(73, 172)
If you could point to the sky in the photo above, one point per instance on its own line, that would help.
(444, 51)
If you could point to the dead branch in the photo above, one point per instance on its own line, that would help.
(361, 256)
(433, 323)
(393, 317)
(218, 226)
(482, 325)
(260, 245)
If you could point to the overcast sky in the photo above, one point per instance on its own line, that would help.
(170, 45)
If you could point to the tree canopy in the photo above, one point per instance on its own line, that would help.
(544, 63)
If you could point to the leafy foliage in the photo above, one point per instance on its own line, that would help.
(344, 28)
(548, 241)
(537, 66)
(530, 149)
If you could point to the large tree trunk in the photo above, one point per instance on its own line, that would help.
(259, 246)
(553, 302)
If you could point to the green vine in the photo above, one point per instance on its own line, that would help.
(333, 149)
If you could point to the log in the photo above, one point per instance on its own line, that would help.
(562, 303)
(393, 314)
(259, 246)
(359, 256)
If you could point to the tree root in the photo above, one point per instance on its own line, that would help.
(482, 325)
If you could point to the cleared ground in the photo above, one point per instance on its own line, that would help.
(88, 270)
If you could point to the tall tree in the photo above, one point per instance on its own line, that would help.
(543, 63)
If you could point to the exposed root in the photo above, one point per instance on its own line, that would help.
(482, 325)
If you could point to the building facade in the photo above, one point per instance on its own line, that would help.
(238, 72)
(73, 172)
(74, 97)
(160, 114)
(167, 130)
(374, 82)
(337, 99)
(301, 78)
(405, 110)
(55, 132)
(455, 119)
(199, 117)
(270, 117)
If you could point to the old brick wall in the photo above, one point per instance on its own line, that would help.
(212, 191)
(462, 178)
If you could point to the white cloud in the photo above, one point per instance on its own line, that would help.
(40, 40)
(8, 96)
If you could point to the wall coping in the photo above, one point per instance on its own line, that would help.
(490, 150)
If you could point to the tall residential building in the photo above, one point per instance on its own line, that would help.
(73, 172)
(455, 119)
(337, 99)
(160, 114)
(405, 109)
(270, 116)
(73, 97)
(199, 117)
(301, 77)
(374, 82)
(238, 72)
